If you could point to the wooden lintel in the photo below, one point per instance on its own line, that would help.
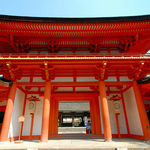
(146, 98)
(3, 99)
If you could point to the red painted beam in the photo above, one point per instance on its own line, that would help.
(71, 84)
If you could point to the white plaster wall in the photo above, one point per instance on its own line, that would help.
(24, 79)
(112, 117)
(42, 89)
(17, 111)
(27, 122)
(121, 118)
(64, 89)
(122, 122)
(111, 79)
(3, 103)
(38, 79)
(63, 79)
(37, 122)
(146, 102)
(114, 52)
(43, 52)
(132, 112)
(83, 89)
(124, 79)
(124, 86)
(34, 89)
(65, 52)
(83, 79)
(33, 52)
(114, 89)
(105, 52)
(82, 52)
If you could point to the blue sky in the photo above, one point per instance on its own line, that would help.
(75, 8)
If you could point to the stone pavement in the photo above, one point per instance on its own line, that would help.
(78, 144)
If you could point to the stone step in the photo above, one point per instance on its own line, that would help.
(72, 129)
(72, 136)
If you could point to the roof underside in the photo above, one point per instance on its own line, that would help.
(125, 34)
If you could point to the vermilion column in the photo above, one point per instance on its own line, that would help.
(105, 112)
(8, 113)
(98, 116)
(46, 112)
(50, 118)
(92, 117)
(56, 118)
(141, 109)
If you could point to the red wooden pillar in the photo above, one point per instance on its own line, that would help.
(95, 116)
(23, 112)
(98, 116)
(31, 128)
(141, 110)
(8, 113)
(56, 118)
(53, 116)
(46, 111)
(92, 117)
(118, 128)
(105, 112)
(50, 118)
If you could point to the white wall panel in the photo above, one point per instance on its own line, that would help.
(24, 79)
(124, 79)
(146, 102)
(64, 89)
(37, 122)
(27, 122)
(111, 79)
(121, 118)
(63, 79)
(38, 79)
(3, 103)
(83, 89)
(34, 89)
(132, 112)
(33, 52)
(104, 52)
(83, 79)
(82, 52)
(65, 52)
(114, 89)
(44, 52)
(17, 111)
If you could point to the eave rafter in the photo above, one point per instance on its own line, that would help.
(123, 36)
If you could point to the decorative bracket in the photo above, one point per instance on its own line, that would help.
(11, 72)
(102, 70)
(137, 70)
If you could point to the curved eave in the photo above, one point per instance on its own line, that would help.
(75, 20)
(4, 82)
(144, 80)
